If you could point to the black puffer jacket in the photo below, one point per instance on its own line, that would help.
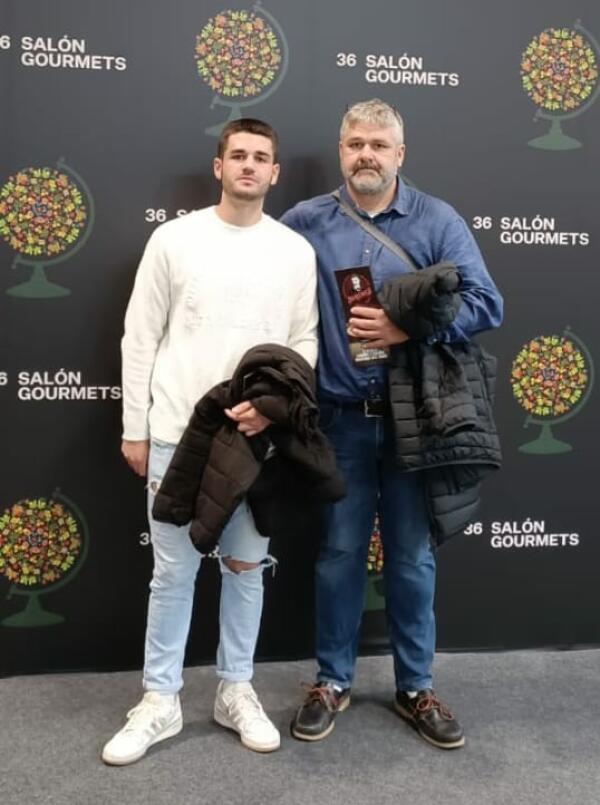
(425, 301)
(215, 466)
(441, 397)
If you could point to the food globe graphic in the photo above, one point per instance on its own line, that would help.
(374, 596)
(46, 216)
(243, 57)
(43, 545)
(551, 378)
(559, 72)
(374, 631)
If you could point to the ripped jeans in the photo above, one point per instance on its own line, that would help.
(176, 565)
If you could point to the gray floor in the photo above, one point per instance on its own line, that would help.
(532, 721)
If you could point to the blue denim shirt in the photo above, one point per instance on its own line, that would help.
(430, 231)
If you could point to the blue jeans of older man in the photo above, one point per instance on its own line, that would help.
(364, 448)
(176, 565)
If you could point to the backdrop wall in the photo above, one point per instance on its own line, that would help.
(109, 118)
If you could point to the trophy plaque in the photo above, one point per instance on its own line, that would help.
(356, 290)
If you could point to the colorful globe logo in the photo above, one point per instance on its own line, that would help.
(551, 377)
(375, 551)
(374, 594)
(42, 212)
(559, 72)
(242, 56)
(237, 54)
(46, 215)
(42, 545)
(374, 632)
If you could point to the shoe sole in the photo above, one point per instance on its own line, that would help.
(168, 732)
(302, 736)
(410, 720)
(223, 721)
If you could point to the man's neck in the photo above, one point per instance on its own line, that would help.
(372, 203)
(239, 212)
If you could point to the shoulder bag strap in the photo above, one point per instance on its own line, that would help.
(373, 230)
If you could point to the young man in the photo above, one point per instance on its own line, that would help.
(357, 417)
(210, 286)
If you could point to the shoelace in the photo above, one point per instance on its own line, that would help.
(142, 717)
(322, 693)
(247, 708)
(428, 702)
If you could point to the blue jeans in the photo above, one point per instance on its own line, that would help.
(176, 565)
(364, 449)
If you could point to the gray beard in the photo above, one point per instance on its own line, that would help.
(369, 187)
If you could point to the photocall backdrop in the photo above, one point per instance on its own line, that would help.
(110, 113)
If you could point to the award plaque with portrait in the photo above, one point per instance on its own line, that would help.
(356, 289)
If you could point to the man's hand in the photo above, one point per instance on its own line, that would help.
(248, 418)
(372, 325)
(136, 455)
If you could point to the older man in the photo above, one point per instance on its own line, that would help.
(356, 416)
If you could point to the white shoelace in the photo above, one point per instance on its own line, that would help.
(245, 709)
(144, 717)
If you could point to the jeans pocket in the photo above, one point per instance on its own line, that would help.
(160, 458)
(161, 447)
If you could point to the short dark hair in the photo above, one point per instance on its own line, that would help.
(252, 126)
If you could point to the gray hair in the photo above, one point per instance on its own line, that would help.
(375, 113)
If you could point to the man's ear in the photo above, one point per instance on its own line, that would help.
(275, 174)
(401, 153)
(218, 168)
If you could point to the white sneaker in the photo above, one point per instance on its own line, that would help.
(156, 717)
(237, 708)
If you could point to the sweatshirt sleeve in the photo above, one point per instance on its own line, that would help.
(303, 327)
(145, 322)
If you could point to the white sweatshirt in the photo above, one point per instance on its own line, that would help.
(205, 292)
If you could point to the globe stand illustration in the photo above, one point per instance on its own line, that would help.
(546, 443)
(559, 72)
(552, 378)
(33, 614)
(555, 139)
(43, 545)
(37, 286)
(234, 114)
(243, 56)
(46, 215)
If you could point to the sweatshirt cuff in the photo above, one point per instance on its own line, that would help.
(135, 433)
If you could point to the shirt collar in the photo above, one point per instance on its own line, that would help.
(399, 203)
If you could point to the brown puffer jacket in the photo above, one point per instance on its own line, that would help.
(215, 466)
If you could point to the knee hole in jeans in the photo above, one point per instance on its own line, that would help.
(237, 566)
